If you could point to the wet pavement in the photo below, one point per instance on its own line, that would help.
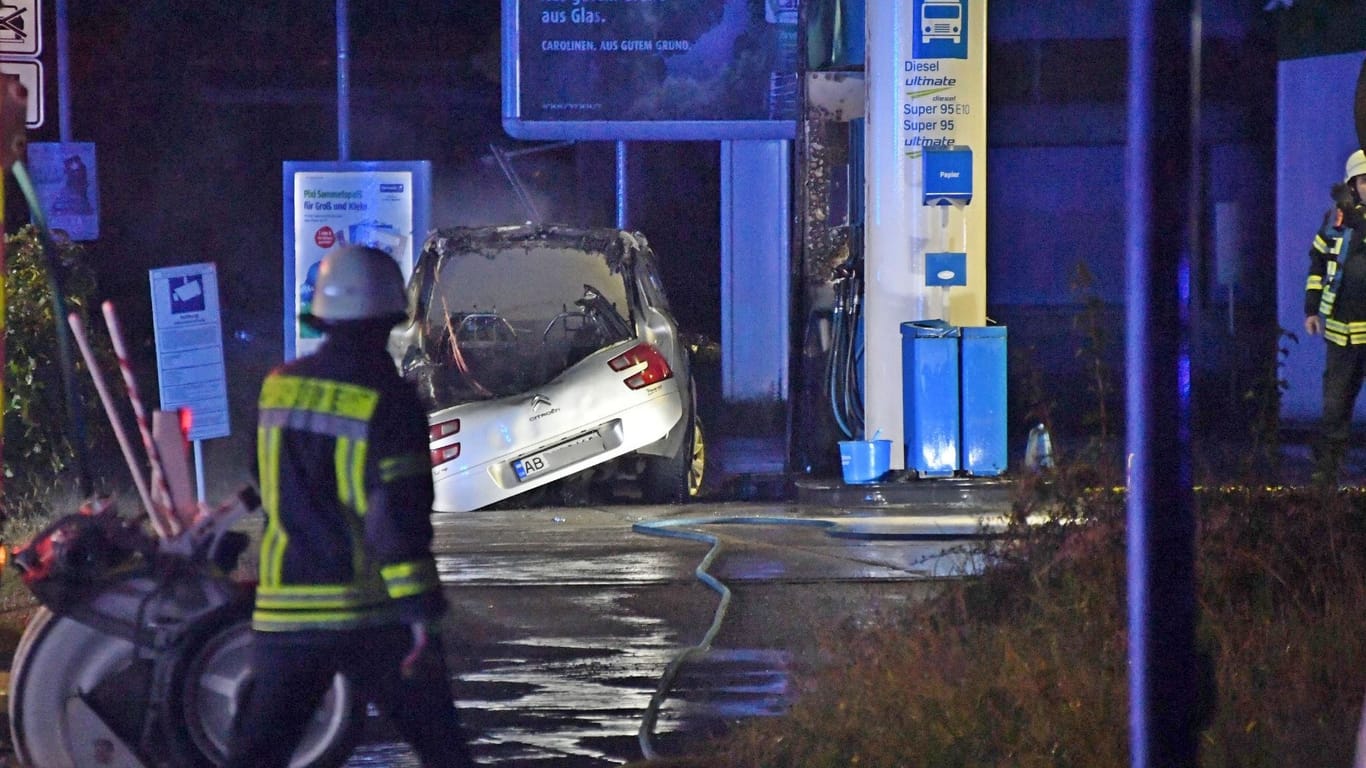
(565, 620)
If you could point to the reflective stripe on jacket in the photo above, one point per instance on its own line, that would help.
(1328, 257)
(347, 489)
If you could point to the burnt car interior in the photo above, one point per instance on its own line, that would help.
(505, 318)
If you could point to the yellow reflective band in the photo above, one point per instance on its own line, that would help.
(410, 578)
(410, 568)
(348, 463)
(1315, 283)
(304, 597)
(318, 396)
(274, 539)
(359, 451)
(408, 465)
(1345, 334)
(265, 615)
(1342, 334)
(287, 621)
(1326, 301)
(341, 468)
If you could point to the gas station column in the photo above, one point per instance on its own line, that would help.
(926, 81)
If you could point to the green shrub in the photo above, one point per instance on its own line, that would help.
(38, 436)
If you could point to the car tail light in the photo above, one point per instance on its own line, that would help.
(656, 367)
(446, 452)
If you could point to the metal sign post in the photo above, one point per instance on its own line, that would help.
(189, 342)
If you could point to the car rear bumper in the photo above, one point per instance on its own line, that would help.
(473, 486)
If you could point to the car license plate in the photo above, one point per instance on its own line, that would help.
(558, 456)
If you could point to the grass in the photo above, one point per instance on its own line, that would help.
(1026, 665)
(28, 507)
(26, 513)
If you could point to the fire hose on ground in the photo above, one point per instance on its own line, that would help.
(916, 527)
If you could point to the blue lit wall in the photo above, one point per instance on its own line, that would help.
(1052, 209)
(1314, 136)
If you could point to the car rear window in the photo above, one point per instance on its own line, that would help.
(498, 321)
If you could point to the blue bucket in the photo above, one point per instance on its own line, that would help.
(865, 461)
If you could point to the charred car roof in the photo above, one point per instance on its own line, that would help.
(617, 246)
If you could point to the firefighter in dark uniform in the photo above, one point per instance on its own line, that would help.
(347, 578)
(1335, 306)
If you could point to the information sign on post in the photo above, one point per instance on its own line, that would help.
(189, 341)
(21, 42)
(66, 180)
(30, 75)
(21, 28)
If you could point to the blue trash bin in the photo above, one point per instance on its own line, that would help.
(984, 400)
(930, 404)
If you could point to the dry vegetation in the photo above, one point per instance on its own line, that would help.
(1026, 665)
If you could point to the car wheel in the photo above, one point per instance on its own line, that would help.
(679, 478)
(58, 663)
(203, 691)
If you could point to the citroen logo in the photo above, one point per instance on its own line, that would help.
(540, 402)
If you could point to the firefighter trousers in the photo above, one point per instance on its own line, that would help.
(1343, 373)
(291, 671)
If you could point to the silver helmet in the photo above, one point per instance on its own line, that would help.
(356, 282)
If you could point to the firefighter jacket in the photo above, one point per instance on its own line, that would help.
(346, 482)
(1336, 287)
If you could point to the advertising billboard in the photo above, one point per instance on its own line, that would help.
(381, 204)
(650, 69)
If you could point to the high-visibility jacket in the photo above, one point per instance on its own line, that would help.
(346, 483)
(1336, 287)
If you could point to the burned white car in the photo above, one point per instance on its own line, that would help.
(548, 354)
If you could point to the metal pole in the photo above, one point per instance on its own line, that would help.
(1161, 582)
(518, 188)
(199, 471)
(622, 183)
(63, 76)
(343, 84)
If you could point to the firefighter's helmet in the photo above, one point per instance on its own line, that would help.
(1356, 166)
(358, 283)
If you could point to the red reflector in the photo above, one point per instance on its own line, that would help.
(438, 431)
(445, 453)
(656, 367)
